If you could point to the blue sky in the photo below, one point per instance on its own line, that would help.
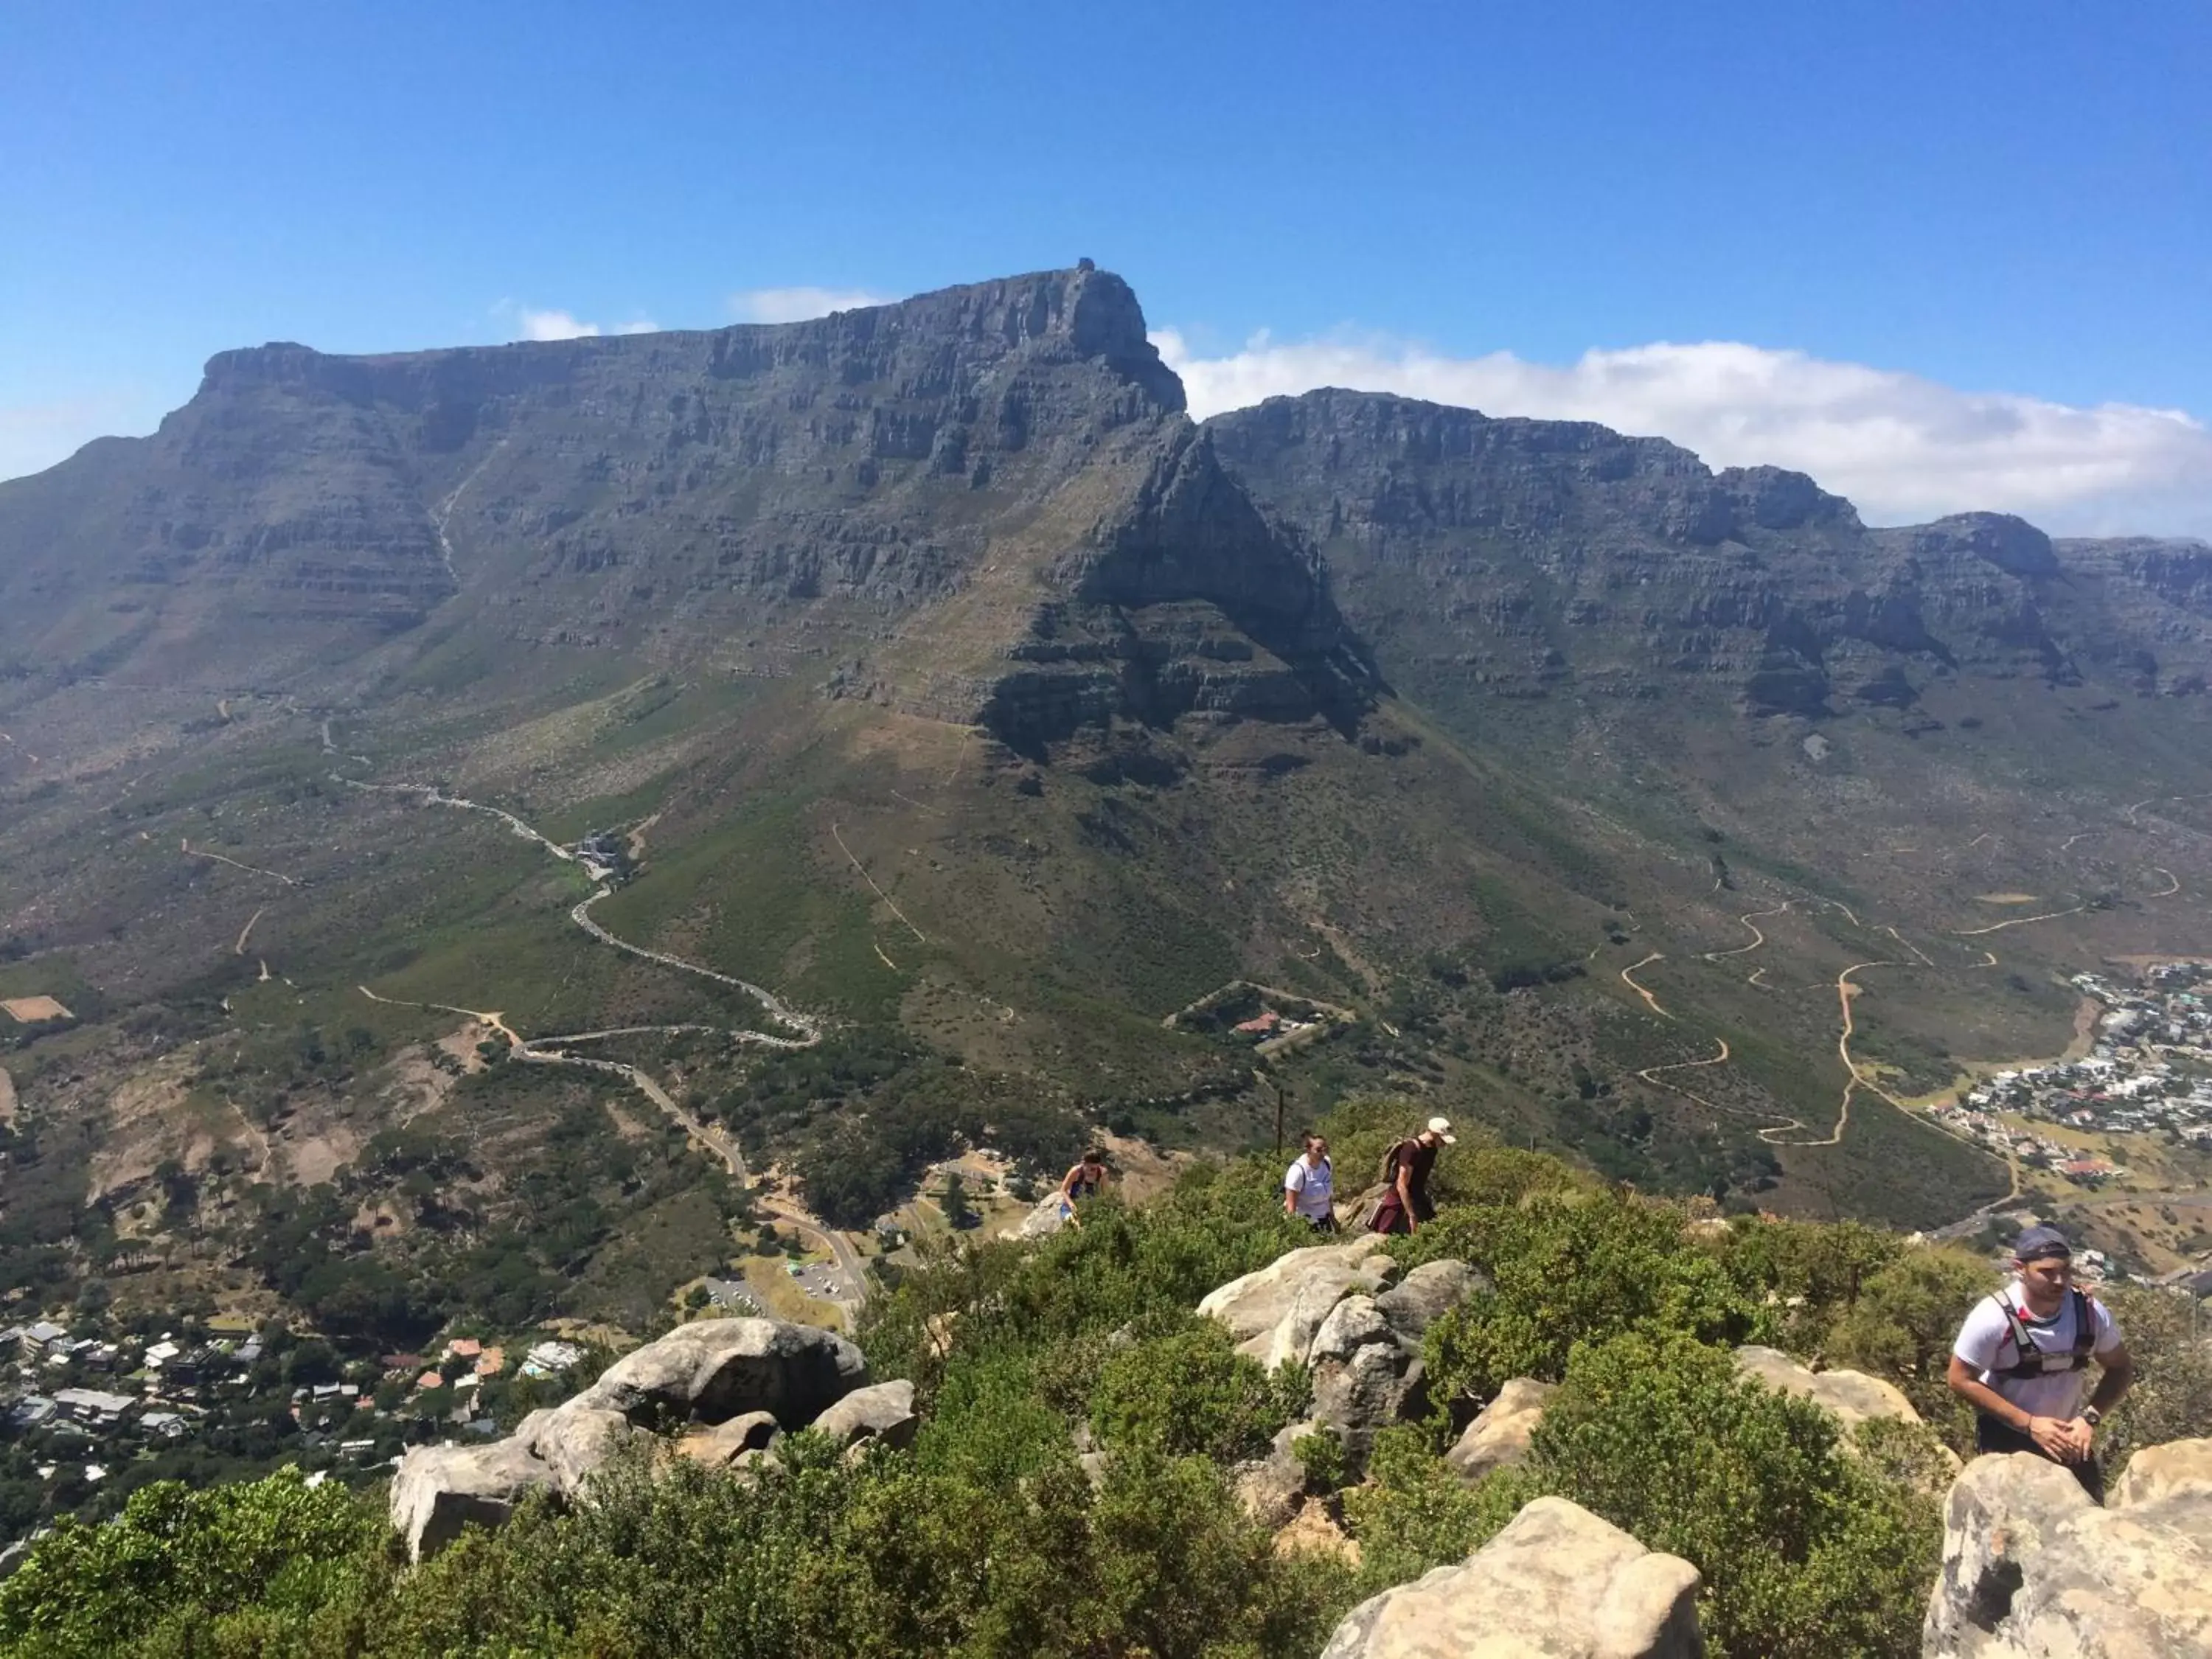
(1889, 210)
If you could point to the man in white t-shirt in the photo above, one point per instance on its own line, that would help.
(2022, 1361)
(1309, 1186)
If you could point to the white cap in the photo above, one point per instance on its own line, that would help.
(1441, 1128)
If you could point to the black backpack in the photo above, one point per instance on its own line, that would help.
(2038, 1362)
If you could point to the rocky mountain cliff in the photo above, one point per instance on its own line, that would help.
(1519, 560)
(1008, 461)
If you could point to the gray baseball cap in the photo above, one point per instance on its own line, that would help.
(2039, 1244)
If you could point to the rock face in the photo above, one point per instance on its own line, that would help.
(2179, 1469)
(984, 504)
(1313, 1307)
(1275, 1313)
(1851, 1395)
(744, 1379)
(882, 1411)
(1499, 1436)
(1558, 1582)
(2033, 1570)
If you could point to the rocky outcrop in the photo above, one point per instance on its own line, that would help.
(438, 1490)
(1851, 1395)
(1425, 1294)
(1557, 1582)
(1275, 1313)
(2033, 1570)
(882, 1411)
(740, 1380)
(1498, 1437)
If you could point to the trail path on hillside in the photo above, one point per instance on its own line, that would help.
(193, 852)
(1750, 919)
(1650, 1000)
(710, 1139)
(444, 510)
(239, 948)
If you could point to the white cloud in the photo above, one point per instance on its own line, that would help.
(796, 305)
(555, 325)
(1902, 447)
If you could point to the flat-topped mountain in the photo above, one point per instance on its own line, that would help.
(924, 672)
(1009, 460)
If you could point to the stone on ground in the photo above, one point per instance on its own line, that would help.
(1851, 1395)
(883, 1411)
(2033, 1570)
(717, 1368)
(723, 1444)
(1425, 1295)
(1556, 1583)
(1499, 1436)
(438, 1490)
(1293, 1294)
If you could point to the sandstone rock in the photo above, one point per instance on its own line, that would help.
(883, 1412)
(1049, 1216)
(1313, 1531)
(2033, 1570)
(751, 1374)
(1294, 1294)
(1556, 1583)
(1269, 1490)
(1380, 1383)
(718, 1369)
(1851, 1395)
(723, 1444)
(1413, 1304)
(438, 1490)
(2180, 1468)
(1093, 1465)
(1499, 1436)
(1352, 1325)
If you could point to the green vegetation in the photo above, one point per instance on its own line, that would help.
(989, 1539)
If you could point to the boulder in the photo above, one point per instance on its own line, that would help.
(572, 1439)
(1049, 1216)
(1313, 1531)
(1378, 1384)
(1851, 1395)
(1422, 1295)
(1499, 1436)
(1293, 1294)
(2033, 1570)
(2180, 1468)
(883, 1412)
(1556, 1583)
(1269, 1490)
(1352, 1325)
(717, 1368)
(722, 1445)
(438, 1490)
(715, 1372)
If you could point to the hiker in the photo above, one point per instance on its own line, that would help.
(1309, 1186)
(2021, 1355)
(1406, 1167)
(1086, 1180)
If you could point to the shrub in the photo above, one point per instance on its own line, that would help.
(1189, 1391)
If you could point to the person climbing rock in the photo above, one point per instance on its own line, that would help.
(1406, 1168)
(1087, 1179)
(1309, 1186)
(2023, 1358)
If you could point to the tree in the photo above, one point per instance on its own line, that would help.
(959, 1213)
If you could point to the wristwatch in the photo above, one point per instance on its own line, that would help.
(2091, 1416)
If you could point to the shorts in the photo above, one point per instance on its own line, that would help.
(1992, 1436)
(1320, 1223)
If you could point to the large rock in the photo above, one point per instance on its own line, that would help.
(1851, 1395)
(438, 1490)
(1499, 1436)
(1379, 1383)
(573, 1439)
(883, 1412)
(717, 1368)
(1556, 1583)
(1425, 1295)
(711, 1372)
(1049, 1216)
(1293, 1294)
(2180, 1468)
(2033, 1570)
(725, 1442)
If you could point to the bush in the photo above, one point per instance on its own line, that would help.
(1189, 1391)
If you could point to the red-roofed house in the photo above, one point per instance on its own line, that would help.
(429, 1379)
